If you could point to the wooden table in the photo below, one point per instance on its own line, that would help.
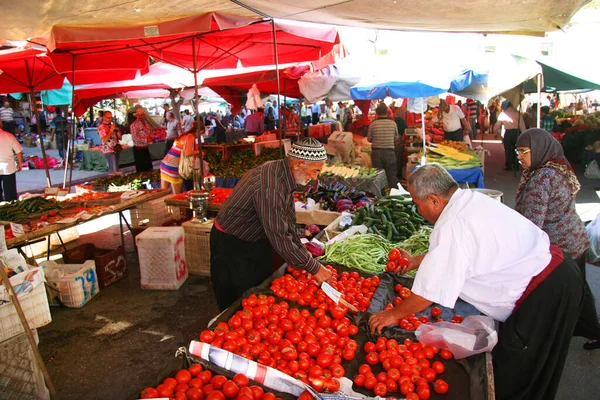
(35, 236)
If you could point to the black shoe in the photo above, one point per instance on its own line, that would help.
(592, 345)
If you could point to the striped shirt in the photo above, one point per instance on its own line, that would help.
(170, 163)
(472, 108)
(262, 206)
(382, 133)
(6, 114)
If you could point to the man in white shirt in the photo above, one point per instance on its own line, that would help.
(513, 123)
(493, 258)
(187, 121)
(7, 118)
(9, 147)
(453, 121)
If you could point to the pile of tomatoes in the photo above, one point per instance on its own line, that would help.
(195, 383)
(395, 260)
(300, 287)
(308, 346)
(412, 322)
(409, 369)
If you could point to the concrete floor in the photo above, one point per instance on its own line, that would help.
(122, 339)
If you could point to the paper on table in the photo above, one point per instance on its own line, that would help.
(398, 192)
(130, 194)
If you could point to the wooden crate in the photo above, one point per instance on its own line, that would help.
(197, 247)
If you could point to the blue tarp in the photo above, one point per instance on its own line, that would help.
(58, 97)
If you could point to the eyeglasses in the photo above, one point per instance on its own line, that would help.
(522, 152)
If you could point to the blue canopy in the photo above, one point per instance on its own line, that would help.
(58, 97)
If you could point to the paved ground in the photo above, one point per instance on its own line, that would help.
(122, 340)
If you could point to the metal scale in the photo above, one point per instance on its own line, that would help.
(200, 196)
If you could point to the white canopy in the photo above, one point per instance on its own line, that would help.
(533, 17)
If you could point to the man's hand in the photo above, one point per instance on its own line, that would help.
(19, 167)
(382, 319)
(323, 275)
(413, 262)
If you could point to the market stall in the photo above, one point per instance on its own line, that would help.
(94, 160)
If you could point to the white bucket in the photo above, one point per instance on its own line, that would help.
(494, 194)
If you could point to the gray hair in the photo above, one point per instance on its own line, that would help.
(432, 179)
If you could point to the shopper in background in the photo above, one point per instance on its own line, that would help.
(9, 148)
(165, 118)
(501, 263)
(98, 121)
(255, 123)
(513, 123)
(546, 122)
(291, 122)
(453, 120)
(472, 109)
(546, 196)
(383, 135)
(269, 119)
(109, 136)
(173, 130)
(7, 118)
(141, 135)
(60, 128)
(316, 113)
(169, 166)
(187, 120)
(493, 116)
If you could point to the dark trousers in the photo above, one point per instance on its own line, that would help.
(456, 135)
(8, 187)
(60, 144)
(236, 266)
(168, 145)
(315, 118)
(8, 126)
(534, 341)
(141, 157)
(510, 143)
(386, 159)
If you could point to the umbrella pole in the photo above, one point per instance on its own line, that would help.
(200, 143)
(278, 87)
(39, 129)
(539, 93)
(424, 158)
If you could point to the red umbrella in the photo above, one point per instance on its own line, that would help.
(26, 69)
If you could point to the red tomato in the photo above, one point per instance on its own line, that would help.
(182, 387)
(205, 376)
(438, 367)
(324, 360)
(195, 383)
(164, 390)
(392, 266)
(393, 374)
(370, 383)
(337, 371)
(359, 380)
(380, 389)
(170, 382)
(429, 374)
(436, 312)
(332, 385)
(195, 394)
(257, 392)
(183, 376)
(446, 354)
(407, 388)
(230, 389)
(195, 369)
(440, 386)
(306, 396)
(369, 347)
(394, 254)
(318, 384)
(218, 381)
(241, 380)
(405, 293)
(391, 385)
(372, 358)
(215, 395)
(149, 393)
(412, 396)
(423, 392)
(364, 369)
(403, 262)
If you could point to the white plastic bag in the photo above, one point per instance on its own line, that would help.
(593, 232)
(592, 171)
(476, 334)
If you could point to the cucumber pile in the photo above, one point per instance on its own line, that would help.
(394, 218)
(20, 210)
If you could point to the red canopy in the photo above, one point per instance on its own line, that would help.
(26, 69)
(234, 88)
(218, 40)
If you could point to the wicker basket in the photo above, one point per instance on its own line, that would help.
(20, 376)
(197, 247)
(153, 213)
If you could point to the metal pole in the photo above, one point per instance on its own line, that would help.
(424, 158)
(30, 338)
(539, 93)
(281, 153)
(69, 142)
(39, 129)
(73, 127)
(198, 137)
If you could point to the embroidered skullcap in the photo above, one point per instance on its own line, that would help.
(308, 149)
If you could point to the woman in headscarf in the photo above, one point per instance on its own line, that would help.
(546, 196)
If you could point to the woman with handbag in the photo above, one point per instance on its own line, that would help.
(180, 161)
(109, 135)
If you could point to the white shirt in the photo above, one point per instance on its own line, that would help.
(483, 252)
(9, 146)
(188, 120)
(451, 119)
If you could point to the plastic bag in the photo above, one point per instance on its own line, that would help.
(592, 171)
(476, 334)
(593, 231)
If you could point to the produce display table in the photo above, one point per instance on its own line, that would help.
(234, 134)
(470, 378)
(228, 150)
(469, 175)
(30, 237)
(93, 160)
(375, 185)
